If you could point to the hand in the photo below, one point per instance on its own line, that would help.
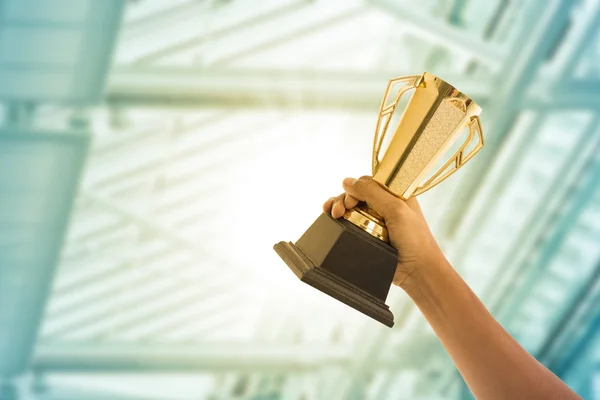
(407, 229)
(491, 362)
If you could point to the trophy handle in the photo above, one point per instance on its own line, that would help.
(386, 111)
(458, 159)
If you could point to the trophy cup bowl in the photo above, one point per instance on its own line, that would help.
(350, 258)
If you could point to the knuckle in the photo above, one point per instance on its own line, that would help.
(362, 184)
(349, 201)
(394, 210)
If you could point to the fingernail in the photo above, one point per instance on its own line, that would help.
(349, 181)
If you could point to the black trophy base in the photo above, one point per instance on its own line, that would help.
(346, 263)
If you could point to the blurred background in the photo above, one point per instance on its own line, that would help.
(153, 151)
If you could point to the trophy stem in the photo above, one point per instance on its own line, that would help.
(368, 220)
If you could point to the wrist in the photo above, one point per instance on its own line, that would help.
(424, 279)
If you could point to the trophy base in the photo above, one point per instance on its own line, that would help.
(345, 262)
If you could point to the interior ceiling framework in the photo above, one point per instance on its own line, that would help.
(141, 237)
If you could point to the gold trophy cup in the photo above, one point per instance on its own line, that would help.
(350, 259)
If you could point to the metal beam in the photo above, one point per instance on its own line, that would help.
(586, 333)
(147, 223)
(193, 87)
(574, 96)
(103, 146)
(443, 34)
(300, 89)
(585, 39)
(212, 357)
(282, 37)
(139, 307)
(239, 27)
(73, 280)
(223, 146)
(78, 393)
(164, 17)
(31, 240)
(567, 334)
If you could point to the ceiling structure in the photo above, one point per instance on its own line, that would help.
(221, 128)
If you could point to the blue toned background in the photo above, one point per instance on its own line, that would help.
(153, 151)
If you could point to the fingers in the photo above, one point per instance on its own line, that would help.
(366, 189)
(349, 201)
(328, 204)
(338, 209)
(337, 206)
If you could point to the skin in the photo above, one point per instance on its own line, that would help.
(491, 362)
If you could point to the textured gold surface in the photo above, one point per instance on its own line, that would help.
(433, 120)
(444, 121)
(458, 159)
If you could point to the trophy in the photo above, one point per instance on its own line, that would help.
(350, 258)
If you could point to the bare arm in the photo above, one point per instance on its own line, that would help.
(492, 363)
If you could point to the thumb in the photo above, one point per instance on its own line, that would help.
(366, 189)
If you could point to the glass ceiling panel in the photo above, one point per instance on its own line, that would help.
(240, 35)
(216, 108)
(56, 51)
(547, 151)
(129, 273)
(556, 289)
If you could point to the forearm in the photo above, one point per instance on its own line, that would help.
(492, 363)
